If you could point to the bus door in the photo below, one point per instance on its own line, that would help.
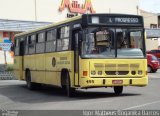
(75, 43)
(21, 53)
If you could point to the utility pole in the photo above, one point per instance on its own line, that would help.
(5, 59)
(109, 10)
(137, 9)
(35, 10)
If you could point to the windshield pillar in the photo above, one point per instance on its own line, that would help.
(115, 44)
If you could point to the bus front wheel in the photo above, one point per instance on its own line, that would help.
(69, 90)
(118, 90)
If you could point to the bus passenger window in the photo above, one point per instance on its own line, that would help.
(32, 40)
(17, 42)
(51, 41)
(41, 37)
(40, 44)
(63, 38)
(16, 47)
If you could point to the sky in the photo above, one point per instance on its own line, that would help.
(150, 5)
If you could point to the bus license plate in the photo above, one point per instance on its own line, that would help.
(117, 81)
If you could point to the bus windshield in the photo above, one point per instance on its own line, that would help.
(104, 42)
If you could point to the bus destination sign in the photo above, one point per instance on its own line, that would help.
(114, 20)
(127, 20)
(122, 20)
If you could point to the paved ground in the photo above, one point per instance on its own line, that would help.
(15, 96)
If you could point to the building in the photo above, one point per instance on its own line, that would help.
(152, 31)
(150, 19)
(52, 11)
(8, 28)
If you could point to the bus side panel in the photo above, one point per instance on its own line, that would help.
(40, 68)
(29, 63)
(73, 76)
(51, 72)
(65, 61)
(83, 68)
(18, 67)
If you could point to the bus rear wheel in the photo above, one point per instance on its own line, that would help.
(118, 90)
(30, 85)
(69, 90)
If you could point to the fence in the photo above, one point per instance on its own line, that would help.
(2, 68)
(6, 75)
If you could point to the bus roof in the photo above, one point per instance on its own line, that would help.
(108, 20)
(49, 26)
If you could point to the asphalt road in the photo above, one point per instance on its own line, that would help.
(15, 96)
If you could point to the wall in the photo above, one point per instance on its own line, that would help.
(149, 18)
(152, 44)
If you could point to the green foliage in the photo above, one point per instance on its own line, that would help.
(9, 67)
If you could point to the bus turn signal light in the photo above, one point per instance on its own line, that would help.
(85, 73)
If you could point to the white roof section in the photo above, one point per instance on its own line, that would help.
(20, 26)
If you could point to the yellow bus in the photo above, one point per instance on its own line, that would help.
(88, 51)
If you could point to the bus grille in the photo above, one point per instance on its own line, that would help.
(120, 69)
(116, 72)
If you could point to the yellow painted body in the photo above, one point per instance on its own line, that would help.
(46, 68)
(44, 71)
(18, 70)
(113, 65)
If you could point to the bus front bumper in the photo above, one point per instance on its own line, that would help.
(110, 82)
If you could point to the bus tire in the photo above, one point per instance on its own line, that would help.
(69, 90)
(154, 70)
(30, 85)
(118, 90)
(149, 69)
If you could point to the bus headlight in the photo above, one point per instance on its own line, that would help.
(99, 72)
(140, 72)
(93, 72)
